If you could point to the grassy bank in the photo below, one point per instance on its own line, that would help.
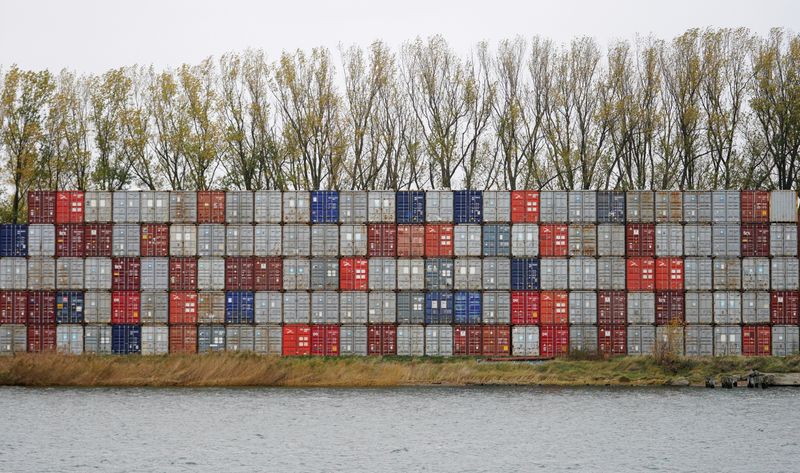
(254, 370)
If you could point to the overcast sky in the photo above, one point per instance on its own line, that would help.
(95, 35)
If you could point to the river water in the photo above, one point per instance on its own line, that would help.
(437, 429)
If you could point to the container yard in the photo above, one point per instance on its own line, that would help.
(409, 273)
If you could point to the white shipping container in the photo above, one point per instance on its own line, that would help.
(755, 274)
(97, 307)
(155, 340)
(41, 273)
(296, 240)
(697, 206)
(324, 240)
(296, 274)
(641, 339)
(699, 307)
(727, 274)
(411, 273)
(410, 340)
(783, 206)
(296, 207)
(154, 274)
(467, 240)
(382, 307)
(755, 307)
(154, 307)
(697, 274)
(699, 340)
(353, 240)
(240, 338)
(785, 340)
(154, 206)
(438, 340)
(296, 307)
(553, 207)
(611, 239)
(97, 206)
(727, 340)
(182, 240)
(239, 207)
(267, 206)
(697, 240)
(725, 239)
(211, 239)
(783, 239)
(496, 309)
(69, 273)
(353, 307)
(784, 274)
(468, 275)
(525, 239)
(125, 240)
(641, 308)
(496, 206)
(267, 240)
(554, 274)
(582, 207)
(611, 273)
(640, 206)
(353, 340)
(438, 206)
(726, 207)
(670, 339)
(381, 207)
(210, 274)
(125, 207)
(69, 339)
(496, 274)
(324, 307)
(727, 307)
(582, 307)
(41, 240)
(13, 339)
(582, 240)
(525, 340)
(669, 239)
(353, 207)
(582, 273)
(383, 274)
(583, 338)
(183, 207)
(239, 240)
(268, 339)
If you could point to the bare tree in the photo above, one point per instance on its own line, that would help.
(109, 97)
(201, 139)
(170, 128)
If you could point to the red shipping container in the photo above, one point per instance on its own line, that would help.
(154, 239)
(325, 340)
(125, 274)
(69, 207)
(640, 274)
(353, 274)
(612, 307)
(239, 273)
(553, 240)
(182, 307)
(524, 206)
(496, 340)
(783, 308)
(669, 307)
(296, 340)
(467, 340)
(182, 274)
(640, 239)
(755, 206)
(669, 274)
(382, 339)
(756, 340)
(183, 339)
(41, 338)
(755, 239)
(554, 340)
(438, 240)
(42, 207)
(268, 273)
(612, 339)
(410, 241)
(554, 307)
(97, 238)
(211, 207)
(525, 307)
(69, 240)
(42, 307)
(125, 307)
(14, 307)
(382, 239)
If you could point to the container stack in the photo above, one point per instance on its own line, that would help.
(437, 273)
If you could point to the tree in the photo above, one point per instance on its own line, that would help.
(171, 128)
(110, 94)
(201, 141)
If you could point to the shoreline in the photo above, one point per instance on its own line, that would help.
(251, 370)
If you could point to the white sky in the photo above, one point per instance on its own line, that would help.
(95, 35)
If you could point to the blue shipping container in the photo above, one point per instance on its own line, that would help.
(410, 206)
(468, 307)
(467, 206)
(13, 239)
(239, 307)
(69, 307)
(439, 307)
(525, 274)
(324, 206)
(497, 240)
(126, 339)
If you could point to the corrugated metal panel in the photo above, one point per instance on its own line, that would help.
(41, 207)
(496, 274)
(410, 340)
(755, 206)
(582, 207)
(669, 206)
(14, 239)
(438, 274)
(239, 240)
(785, 340)
(69, 206)
(583, 338)
(467, 240)
(154, 307)
(41, 273)
(69, 307)
(727, 274)
(125, 240)
(154, 240)
(69, 339)
(324, 207)
(641, 308)
(755, 274)
(240, 338)
(612, 307)
(640, 239)
(239, 307)
(154, 274)
(353, 240)
(783, 206)
(755, 239)
(296, 207)
(411, 273)
(410, 241)
(553, 207)
(353, 340)
(438, 340)
(467, 206)
(239, 207)
(524, 240)
(381, 207)
(354, 306)
(468, 275)
(383, 273)
(725, 239)
(727, 340)
(525, 340)
(325, 240)
(97, 206)
(725, 207)
(183, 307)
(97, 307)
(641, 339)
(697, 274)
(125, 207)
(697, 240)
(525, 307)
(699, 340)
(784, 272)
(210, 274)
(182, 207)
(155, 340)
(296, 307)
(669, 239)
(496, 308)
(582, 273)
(324, 274)
(324, 307)
(211, 307)
(496, 206)
(154, 206)
(611, 273)
(268, 339)
(296, 274)
(410, 206)
(267, 240)
(639, 206)
(210, 338)
(783, 239)
(126, 339)
(697, 207)
(727, 308)
(296, 240)
(784, 307)
(669, 274)
(97, 339)
(382, 308)
(611, 207)
(69, 240)
(41, 240)
(97, 273)
(438, 307)
(268, 207)
(554, 273)
(699, 307)
(69, 273)
(611, 240)
(582, 307)
(670, 307)
(182, 240)
(582, 240)
(497, 240)
(468, 307)
(524, 206)
(353, 206)
(756, 307)
(410, 307)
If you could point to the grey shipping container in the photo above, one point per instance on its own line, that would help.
(438, 274)
(727, 274)
(382, 307)
(610, 239)
(267, 240)
(154, 274)
(755, 274)
(183, 240)
(785, 340)
(154, 206)
(97, 307)
(725, 239)
(41, 240)
(97, 273)
(240, 338)
(726, 207)
(155, 340)
(268, 339)
(727, 307)
(353, 240)
(439, 206)
(353, 307)
(41, 273)
(97, 339)
(324, 274)
(697, 274)
(583, 338)
(553, 207)
(296, 207)
(582, 307)
(97, 206)
(353, 207)
(468, 274)
(496, 206)
(411, 273)
(324, 240)
(239, 240)
(699, 340)
(183, 207)
(697, 206)
(496, 307)
(611, 273)
(525, 340)
(783, 206)
(640, 206)
(269, 307)
(699, 307)
(582, 240)
(239, 207)
(669, 206)
(380, 206)
(410, 340)
(296, 240)
(13, 339)
(353, 340)
(697, 240)
(69, 339)
(524, 239)
(383, 273)
(582, 206)
(210, 274)
(784, 274)
(467, 240)
(641, 308)
(325, 307)
(211, 307)
(296, 274)
(125, 207)
(296, 307)
(410, 307)
(154, 307)
(267, 206)
(641, 339)
(125, 240)
(210, 338)
(69, 273)
(496, 274)
(670, 339)
(755, 307)
(783, 239)
(438, 340)
(554, 273)
(727, 340)
(669, 239)
(582, 273)
(210, 239)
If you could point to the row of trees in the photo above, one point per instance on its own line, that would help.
(716, 108)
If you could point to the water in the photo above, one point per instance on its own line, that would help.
(414, 429)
